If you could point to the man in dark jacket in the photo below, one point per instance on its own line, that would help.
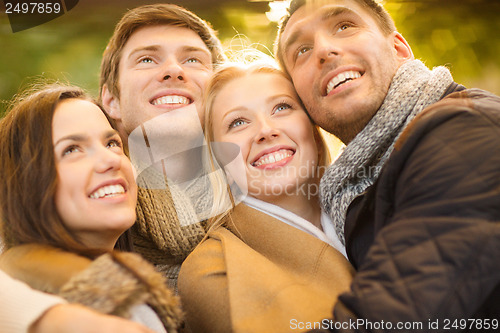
(415, 196)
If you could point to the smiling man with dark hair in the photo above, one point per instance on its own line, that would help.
(415, 195)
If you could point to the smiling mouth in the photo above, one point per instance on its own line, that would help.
(273, 157)
(108, 191)
(171, 100)
(342, 78)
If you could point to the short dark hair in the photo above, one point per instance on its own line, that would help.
(378, 12)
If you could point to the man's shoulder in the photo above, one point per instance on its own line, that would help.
(462, 105)
(472, 101)
(474, 98)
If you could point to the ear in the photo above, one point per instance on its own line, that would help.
(401, 48)
(111, 104)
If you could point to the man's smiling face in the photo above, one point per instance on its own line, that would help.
(162, 68)
(341, 63)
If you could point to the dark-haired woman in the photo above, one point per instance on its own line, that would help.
(67, 198)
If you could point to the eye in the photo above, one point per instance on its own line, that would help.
(70, 150)
(344, 26)
(281, 107)
(114, 143)
(193, 60)
(303, 50)
(146, 60)
(237, 122)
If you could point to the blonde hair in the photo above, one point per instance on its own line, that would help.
(224, 75)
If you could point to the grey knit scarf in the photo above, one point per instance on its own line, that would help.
(413, 88)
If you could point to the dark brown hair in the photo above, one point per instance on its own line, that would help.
(152, 15)
(28, 171)
(378, 12)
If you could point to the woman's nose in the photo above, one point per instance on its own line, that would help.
(267, 131)
(107, 160)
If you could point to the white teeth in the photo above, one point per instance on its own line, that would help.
(342, 78)
(273, 157)
(171, 99)
(108, 191)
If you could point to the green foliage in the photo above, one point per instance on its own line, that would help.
(462, 34)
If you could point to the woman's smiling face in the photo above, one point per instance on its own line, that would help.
(261, 113)
(96, 190)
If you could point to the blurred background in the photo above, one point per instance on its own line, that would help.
(461, 34)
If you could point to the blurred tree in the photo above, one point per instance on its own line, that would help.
(462, 34)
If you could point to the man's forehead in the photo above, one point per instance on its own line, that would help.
(167, 31)
(162, 38)
(322, 9)
(317, 10)
(158, 37)
(167, 38)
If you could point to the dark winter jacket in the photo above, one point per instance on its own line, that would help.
(425, 238)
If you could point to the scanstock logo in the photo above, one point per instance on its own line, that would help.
(31, 13)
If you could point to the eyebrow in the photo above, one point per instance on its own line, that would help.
(328, 14)
(195, 49)
(155, 48)
(233, 110)
(278, 96)
(268, 100)
(84, 137)
(151, 48)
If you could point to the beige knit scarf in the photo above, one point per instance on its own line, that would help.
(413, 88)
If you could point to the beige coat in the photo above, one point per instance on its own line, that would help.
(258, 274)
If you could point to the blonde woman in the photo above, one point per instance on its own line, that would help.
(273, 261)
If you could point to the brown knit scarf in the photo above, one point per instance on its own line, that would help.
(167, 228)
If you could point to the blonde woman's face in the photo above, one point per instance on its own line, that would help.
(96, 191)
(261, 114)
